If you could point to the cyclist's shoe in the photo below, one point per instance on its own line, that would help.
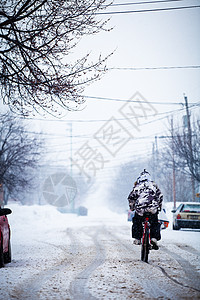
(137, 242)
(154, 244)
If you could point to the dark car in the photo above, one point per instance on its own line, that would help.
(187, 215)
(5, 247)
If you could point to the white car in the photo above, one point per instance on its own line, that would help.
(187, 215)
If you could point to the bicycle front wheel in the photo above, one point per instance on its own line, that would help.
(145, 246)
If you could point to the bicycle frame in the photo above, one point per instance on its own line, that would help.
(146, 240)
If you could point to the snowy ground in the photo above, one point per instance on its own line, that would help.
(63, 256)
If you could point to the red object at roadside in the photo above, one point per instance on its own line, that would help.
(5, 247)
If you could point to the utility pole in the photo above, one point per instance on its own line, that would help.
(153, 158)
(190, 146)
(173, 165)
(72, 201)
(71, 149)
(69, 167)
(156, 145)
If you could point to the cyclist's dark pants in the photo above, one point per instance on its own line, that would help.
(137, 226)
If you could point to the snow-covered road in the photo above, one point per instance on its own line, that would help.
(62, 256)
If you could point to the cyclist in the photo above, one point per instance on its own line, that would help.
(145, 197)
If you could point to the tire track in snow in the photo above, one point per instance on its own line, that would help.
(142, 273)
(148, 280)
(188, 249)
(78, 288)
(192, 275)
(31, 287)
(112, 280)
(152, 282)
(146, 283)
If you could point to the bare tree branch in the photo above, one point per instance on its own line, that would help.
(19, 154)
(187, 156)
(36, 38)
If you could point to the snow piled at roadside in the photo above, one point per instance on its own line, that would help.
(34, 222)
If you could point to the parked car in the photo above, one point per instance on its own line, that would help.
(187, 215)
(5, 247)
(82, 211)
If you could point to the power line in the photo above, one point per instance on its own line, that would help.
(96, 120)
(167, 114)
(134, 100)
(154, 68)
(144, 2)
(147, 10)
(192, 105)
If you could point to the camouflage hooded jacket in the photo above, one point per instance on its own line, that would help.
(145, 197)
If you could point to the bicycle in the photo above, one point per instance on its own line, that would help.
(146, 239)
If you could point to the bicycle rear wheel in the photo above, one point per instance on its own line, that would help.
(145, 247)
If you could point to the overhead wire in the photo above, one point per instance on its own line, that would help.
(181, 109)
(89, 137)
(154, 68)
(143, 2)
(191, 106)
(147, 10)
(132, 100)
(146, 68)
(137, 139)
